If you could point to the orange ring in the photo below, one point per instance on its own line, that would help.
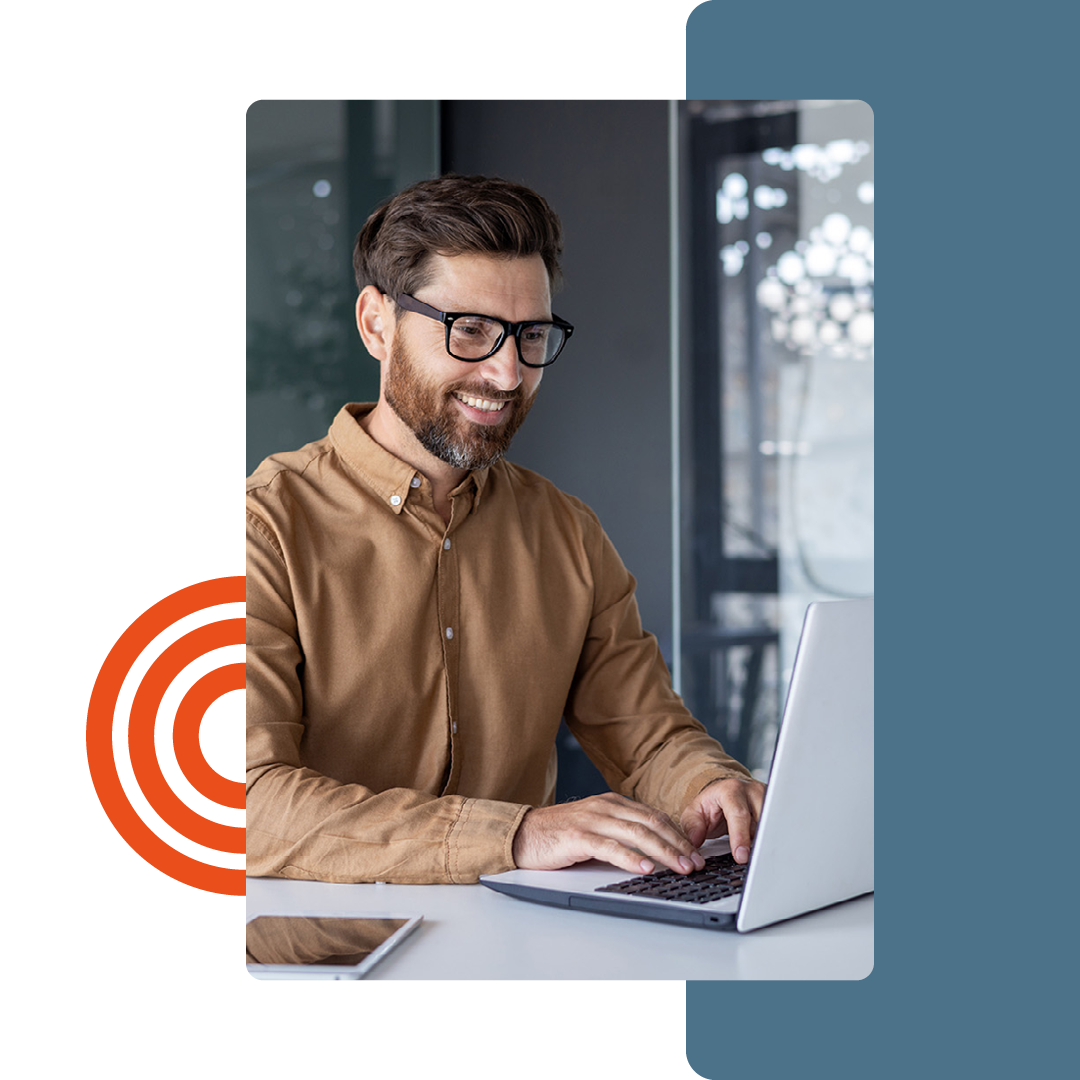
(144, 709)
(99, 723)
(189, 717)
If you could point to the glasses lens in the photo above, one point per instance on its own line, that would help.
(473, 336)
(540, 342)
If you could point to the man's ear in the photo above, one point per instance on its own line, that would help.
(375, 321)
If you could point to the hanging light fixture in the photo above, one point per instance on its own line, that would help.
(820, 294)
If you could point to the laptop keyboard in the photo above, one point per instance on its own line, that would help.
(722, 876)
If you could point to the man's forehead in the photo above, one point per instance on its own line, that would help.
(463, 280)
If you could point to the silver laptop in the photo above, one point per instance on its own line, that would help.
(815, 841)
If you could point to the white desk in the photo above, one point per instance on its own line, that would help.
(470, 932)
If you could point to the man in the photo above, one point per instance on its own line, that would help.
(421, 613)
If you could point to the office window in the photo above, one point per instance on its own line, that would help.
(316, 170)
(777, 396)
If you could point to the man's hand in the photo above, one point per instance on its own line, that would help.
(731, 806)
(620, 831)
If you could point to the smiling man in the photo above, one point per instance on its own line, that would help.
(458, 408)
(422, 612)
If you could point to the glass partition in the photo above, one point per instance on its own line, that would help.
(776, 402)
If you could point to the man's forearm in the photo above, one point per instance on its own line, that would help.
(306, 826)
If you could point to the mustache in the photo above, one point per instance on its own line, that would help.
(487, 390)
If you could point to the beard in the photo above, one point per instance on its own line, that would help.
(428, 410)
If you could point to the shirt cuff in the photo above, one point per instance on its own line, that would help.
(481, 839)
(700, 781)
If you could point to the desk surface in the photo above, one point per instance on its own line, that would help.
(470, 932)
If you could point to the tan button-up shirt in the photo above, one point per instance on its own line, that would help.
(406, 678)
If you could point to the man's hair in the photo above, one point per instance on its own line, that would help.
(453, 215)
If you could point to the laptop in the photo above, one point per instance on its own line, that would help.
(815, 840)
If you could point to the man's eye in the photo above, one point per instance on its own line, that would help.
(473, 327)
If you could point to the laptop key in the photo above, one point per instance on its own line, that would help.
(722, 876)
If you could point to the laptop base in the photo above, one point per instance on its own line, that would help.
(709, 920)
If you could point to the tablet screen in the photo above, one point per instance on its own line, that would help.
(313, 942)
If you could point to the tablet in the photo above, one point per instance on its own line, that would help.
(311, 946)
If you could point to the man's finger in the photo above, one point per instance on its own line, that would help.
(623, 857)
(656, 841)
(693, 824)
(656, 834)
(740, 824)
(697, 824)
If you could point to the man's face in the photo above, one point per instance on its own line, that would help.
(466, 414)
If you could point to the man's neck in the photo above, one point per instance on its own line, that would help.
(388, 430)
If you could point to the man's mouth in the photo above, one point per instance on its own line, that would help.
(483, 404)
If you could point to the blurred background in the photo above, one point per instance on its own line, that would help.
(715, 406)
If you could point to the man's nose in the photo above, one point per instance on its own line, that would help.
(503, 367)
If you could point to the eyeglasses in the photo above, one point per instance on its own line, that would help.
(473, 338)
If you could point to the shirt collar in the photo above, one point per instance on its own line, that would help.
(389, 477)
(479, 478)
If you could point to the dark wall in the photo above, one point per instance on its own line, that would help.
(601, 428)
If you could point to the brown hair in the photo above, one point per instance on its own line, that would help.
(453, 215)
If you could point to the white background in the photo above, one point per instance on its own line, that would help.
(124, 401)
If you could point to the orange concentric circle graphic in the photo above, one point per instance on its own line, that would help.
(141, 722)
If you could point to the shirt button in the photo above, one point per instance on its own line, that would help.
(449, 632)
(415, 481)
(453, 727)
(446, 544)
(395, 500)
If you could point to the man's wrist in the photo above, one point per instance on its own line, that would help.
(720, 779)
(517, 840)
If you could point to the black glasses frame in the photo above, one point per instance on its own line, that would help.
(509, 329)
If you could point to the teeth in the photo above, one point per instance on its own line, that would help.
(481, 403)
